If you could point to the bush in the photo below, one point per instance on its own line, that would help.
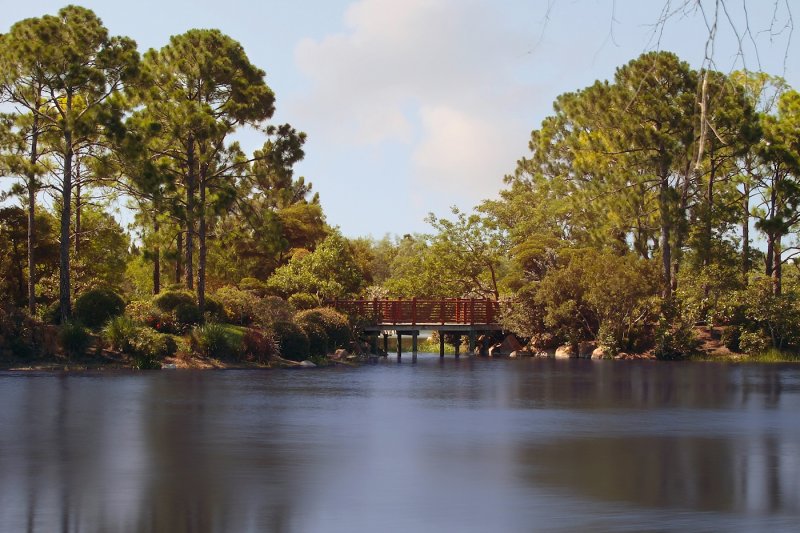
(52, 313)
(169, 300)
(731, 338)
(333, 323)
(254, 286)
(95, 306)
(675, 340)
(317, 338)
(271, 310)
(257, 347)
(240, 306)
(215, 310)
(74, 338)
(187, 314)
(303, 300)
(292, 341)
(216, 340)
(22, 335)
(754, 342)
(119, 332)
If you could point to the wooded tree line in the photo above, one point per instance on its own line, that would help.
(87, 119)
(647, 203)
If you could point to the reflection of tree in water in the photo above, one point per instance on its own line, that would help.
(213, 466)
(746, 474)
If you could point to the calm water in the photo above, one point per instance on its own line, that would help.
(469, 445)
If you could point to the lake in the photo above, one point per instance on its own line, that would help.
(442, 445)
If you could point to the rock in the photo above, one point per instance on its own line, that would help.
(509, 345)
(564, 352)
(524, 352)
(601, 352)
(307, 364)
(585, 349)
(169, 366)
(340, 353)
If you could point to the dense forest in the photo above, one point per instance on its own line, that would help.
(648, 205)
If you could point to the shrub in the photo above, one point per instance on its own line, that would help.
(240, 306)
(292, 341)
(74, 338)
(169, 300)
(257, 346)
(303, 300)
(119, 332)
(143, 311)
(674, 339)
(731, 338)
(187, 314)
(271, 310)
(52, 313)
(23, 335)
(216, 340)
(215, 310)
(754, 342)
(334, 324)
(317, 338)
(95, 306)
(253, 285)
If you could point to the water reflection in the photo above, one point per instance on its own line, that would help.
(473, 445)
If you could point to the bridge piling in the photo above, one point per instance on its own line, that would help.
(441, 343)
(414, 335)
(399, 345)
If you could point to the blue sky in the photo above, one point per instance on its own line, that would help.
(412, 106)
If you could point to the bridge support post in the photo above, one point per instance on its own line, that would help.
(385, 343)
(441, 343)
(373, 343)
(399, 345)
(458, 345)
(471, 341)
(414, 335)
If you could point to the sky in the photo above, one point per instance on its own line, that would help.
(414, 106)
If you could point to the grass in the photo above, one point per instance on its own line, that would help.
(770, 356)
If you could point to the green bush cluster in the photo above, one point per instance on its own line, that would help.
(217, 340)
(146, 346)
(303, 300)
(257, 346)
(292, 341)
(74, 339)
(96, 306)
(333, 323)
(20, 334)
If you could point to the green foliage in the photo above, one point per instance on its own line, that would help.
(302, 301)
(731, 338)
(253, 285)
(22, 335)
(74, 339)
(754, 342)
(187, 314)
(292, 341)
(169, 300)
(272, 309)
(119, 332)
(95, 306)
(217, 340)
(215, 310)
(329, 272)
(240, 306)
(675, 338)
(333, 323)
(317, 338)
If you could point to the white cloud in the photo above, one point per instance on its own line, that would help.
(435, 76)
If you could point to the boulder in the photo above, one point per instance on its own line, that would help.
(510, 344)
(564, 352)
(601, 352)
(307, 364)
(341, 353)
(524, 352)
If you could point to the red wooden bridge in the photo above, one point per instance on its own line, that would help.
(408, 317)
(423, 313)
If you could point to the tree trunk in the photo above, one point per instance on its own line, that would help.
(34, 156)
(746, 231)
(64, 273)
(664, 238)
(77, 206)
(201, 265)
(776, 268)
(191, 185)
(156, 260)
(178, 255)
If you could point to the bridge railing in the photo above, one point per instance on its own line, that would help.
(422, 311)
